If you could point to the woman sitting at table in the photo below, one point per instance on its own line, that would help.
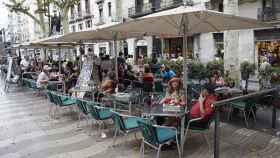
(203, 107)
(107, 87)
(175, 93)
(174, 96)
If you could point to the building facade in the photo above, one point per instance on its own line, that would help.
(94, 14)
(21, 28)
(234, 46)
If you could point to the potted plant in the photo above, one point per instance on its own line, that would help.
(215, 66)
(196, 71)
(275, 76)
(247, 69)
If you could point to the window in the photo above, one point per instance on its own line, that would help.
(80, 26)
(101, 12)
(72, 11)
(73, 28)
(102, 50)
(87, 6)
(88, 24)
(109, 9)
(79, 9)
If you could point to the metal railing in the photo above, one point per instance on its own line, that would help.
(100, 21)
(155, 6)
(274, 92)
(268, 14)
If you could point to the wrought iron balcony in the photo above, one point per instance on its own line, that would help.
(87, 14)
(269, 14)
(99, 21)
(156, 6)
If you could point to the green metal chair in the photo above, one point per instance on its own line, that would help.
(247, 107)
(52, 101)
(62, 101)
(125, 124)
(201, 126)
(156, 136)
(99, 113)
(83, 111)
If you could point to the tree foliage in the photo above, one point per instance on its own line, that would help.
(23, 7)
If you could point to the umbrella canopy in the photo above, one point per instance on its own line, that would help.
(97, 35)
(193, 19)
(53, 45)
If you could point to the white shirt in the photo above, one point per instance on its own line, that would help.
(24, 64)
(42, 77)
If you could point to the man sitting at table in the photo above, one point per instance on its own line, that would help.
(43, 78)
(203, 108)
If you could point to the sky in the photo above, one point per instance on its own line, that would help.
(3, 14)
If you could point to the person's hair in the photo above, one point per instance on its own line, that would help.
(111, 75)
(70, 65)
(167, 68)
(147, 68)
(120, 53)
(129, 67)
(171, 89)
(210, 89)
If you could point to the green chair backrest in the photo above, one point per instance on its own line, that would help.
(50, 97)
(55, 98)
(158, 86)
(118, 121)
(148, 132)
(82, 106)
(92, 110)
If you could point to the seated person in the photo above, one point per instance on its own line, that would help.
(43, 78)
(174, 96)
(166, 73)
(129, 76)
(71, 76)
(24, 64)
(175, 93)
(219, 79)
(203, 108)
(107, 87)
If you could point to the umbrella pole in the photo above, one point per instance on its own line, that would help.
(116, 56)
(59, 60)
(185, 79)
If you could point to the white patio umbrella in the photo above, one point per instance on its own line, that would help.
(102, 34)
(185, 21)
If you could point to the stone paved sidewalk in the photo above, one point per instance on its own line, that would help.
(27, 132)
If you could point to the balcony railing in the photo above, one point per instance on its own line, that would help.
(100, 21)
(269, 14)
(155, 6)
(87, 14)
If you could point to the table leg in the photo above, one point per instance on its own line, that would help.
(274, 117)
(182, 134)
(217, 135)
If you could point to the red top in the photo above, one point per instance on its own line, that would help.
(148, 77)
(209, 111)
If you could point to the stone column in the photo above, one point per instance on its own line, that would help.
(231, 43)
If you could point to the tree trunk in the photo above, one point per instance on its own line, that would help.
(64, 20)
(42, 19)
(231, 41)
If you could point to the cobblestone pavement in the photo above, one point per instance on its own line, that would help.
(26, 131)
